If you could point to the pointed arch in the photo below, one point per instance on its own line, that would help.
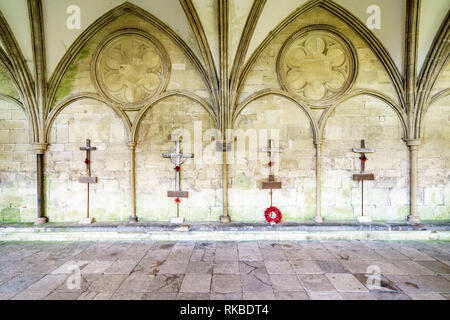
(113, 14)
(437, 58)
(17, 69)
(266, 92)
(86, 95)
(181, 93)
(359, 27)
(402, 116)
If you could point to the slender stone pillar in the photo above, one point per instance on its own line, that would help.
(224, 218)
(40, 149)
(413, 159)
(318, 218)
(132, 146)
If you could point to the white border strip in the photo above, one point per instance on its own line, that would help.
(20, 235)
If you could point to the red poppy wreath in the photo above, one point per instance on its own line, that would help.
(276, 211)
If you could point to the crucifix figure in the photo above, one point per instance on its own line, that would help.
(87, 178)
(177, 158)
(362, 176)
(271, 184)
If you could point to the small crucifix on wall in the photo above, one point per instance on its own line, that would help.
(272, 214)
(87, 179)
(363, 176)
(177, 158)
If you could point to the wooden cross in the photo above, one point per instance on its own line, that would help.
(271, 184)
(87, 178)
(177, 158)
(363, 176)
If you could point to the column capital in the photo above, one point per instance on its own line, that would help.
(413, 142)
(132, 145)
(40, 148)
(318, 143)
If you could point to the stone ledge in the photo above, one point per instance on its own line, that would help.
(229, 232)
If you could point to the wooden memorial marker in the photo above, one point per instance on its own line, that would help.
(271, 184)
(363, 176)
(177, 158)
(87, 179)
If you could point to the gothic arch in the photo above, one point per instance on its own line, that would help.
(71, 99)
(191, 96)
(260, 94)
(360, 28)
(437, 58)
(378, 95)
(77, 45)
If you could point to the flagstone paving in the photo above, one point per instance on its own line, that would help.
(146, 270)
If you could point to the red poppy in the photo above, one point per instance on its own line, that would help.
(87, 161)
(270, 164)
(177, 168)
(363, 158)
(177, 200)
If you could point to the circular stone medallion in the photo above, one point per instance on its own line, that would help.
(130, 68)
(317, 65)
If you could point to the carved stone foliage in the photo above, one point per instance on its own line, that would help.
(317, 64)
(130, 67)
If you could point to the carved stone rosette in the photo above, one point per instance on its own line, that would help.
(130, 67)
(318, 65)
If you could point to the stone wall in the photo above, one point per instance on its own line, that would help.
(17, 166)
(434, 162)
(386, 198)
(164, 123)
(66, 197)
(342, 72)
(273, 117)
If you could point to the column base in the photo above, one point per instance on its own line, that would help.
(133, 219)
(413, 219)
(318, 219)
(85, 221)
(225, 219)
(42, 220)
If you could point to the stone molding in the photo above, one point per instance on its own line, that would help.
(328, 49)
(113, 68)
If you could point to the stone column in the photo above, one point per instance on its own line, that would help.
(413, 160)
(40, 149)
(318, 144)
(132, 146)
(224, 218)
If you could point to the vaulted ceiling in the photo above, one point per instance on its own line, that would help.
(59, 38)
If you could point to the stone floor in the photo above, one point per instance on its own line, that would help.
(225, 270)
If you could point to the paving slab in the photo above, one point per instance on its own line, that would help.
(285, 282)
(226, 267)
(200, 267)
(436, 266)
(409, 284)
(166, 283)
(325, 296)
(279, 267)
(306, 267)
(226, 283)
(345, 282)
(107, 283)
(136, 283)
(291, 295)
(316, 283)
(427, 296)
(226, 296)
(196, 283)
